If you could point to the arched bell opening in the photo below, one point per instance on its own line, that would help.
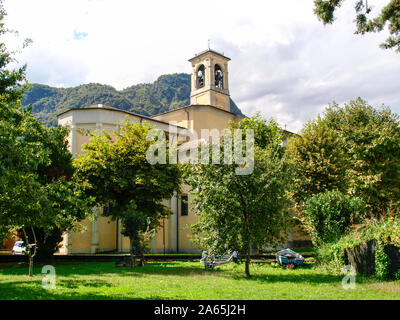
(200, 75)
(219, 77)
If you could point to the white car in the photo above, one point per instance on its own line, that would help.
(19, 248)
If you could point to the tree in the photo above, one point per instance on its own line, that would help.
(4, 235)
(13, 83)
(390, 14)
(37, 189)
(118, 174)
(18, 188)
(240, 212)
(330, 214)
(354, 149)
(319, 161)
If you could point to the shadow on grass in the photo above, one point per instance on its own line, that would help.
(316, 278)
(108, 268)
(304, 274)
(75, 283)
(24, 290)
(307, 273)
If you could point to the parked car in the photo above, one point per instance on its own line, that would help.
(19, 248)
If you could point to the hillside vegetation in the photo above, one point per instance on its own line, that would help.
(167, 93)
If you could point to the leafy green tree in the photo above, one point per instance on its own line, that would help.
(13, 83)
(390, 14)
(37, 189)
(265, 132)
(371, 139)
(4, 234)
(240, 212)
(354, 149)
(19, 190)
(330, 214)
(117, 172)
(318, 159)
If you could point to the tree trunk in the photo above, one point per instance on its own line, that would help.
(247, 264)
(132, 253)
(30, 266)
(141, 256)
(31, 247)
(246, 239)
(246, 236)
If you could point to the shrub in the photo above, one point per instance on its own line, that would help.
(386, 231)
(329, 215)
(330, 256)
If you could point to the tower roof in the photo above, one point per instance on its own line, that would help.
(207, 51)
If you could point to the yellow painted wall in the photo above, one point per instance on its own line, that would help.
(202, 99)
(222, 101)
(210, 119)
(185, 232)
(125, 244)
(201, 117)
(82, 241)
(179, 116)
(107, 234)
(162, 237)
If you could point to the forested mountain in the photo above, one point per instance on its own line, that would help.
(168, 92)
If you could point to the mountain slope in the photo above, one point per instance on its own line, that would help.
(168, 92)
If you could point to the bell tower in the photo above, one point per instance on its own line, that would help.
(210, 80)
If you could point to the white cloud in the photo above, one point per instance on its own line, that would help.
(55, 69)
(284, 61)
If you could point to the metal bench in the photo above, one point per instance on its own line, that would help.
(211, 262)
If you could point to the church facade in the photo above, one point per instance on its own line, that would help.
(209, 109)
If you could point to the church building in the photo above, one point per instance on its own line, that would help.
(209, 109)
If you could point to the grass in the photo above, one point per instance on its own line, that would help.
(187, 280)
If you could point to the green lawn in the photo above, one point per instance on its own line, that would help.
(187, 280)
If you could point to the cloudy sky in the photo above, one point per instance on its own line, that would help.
(285, 63)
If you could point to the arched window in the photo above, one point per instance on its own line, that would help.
(219, 77)
(200, 77)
